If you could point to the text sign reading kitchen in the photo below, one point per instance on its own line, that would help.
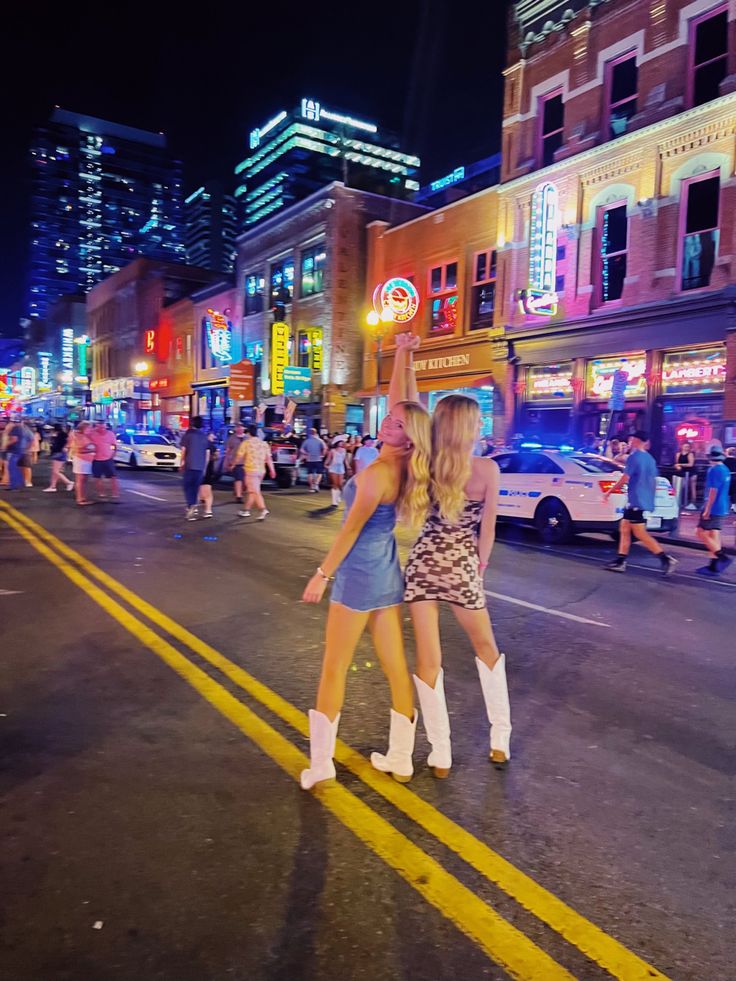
(458, 361)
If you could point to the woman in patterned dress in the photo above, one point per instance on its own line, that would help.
(368, 586)
(447, 564)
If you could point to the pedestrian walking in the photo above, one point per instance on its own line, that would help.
(730, 463)
(103, 464)
(367, 590)
(194, 445)
(59, 455)
(365, 454)
(82, 452)
(640, 480)
(335, 463)
(232, 445)
(255, 456)
(209, 478)
(715, 509)
(446, 565)
(19, 444)
(312, 452)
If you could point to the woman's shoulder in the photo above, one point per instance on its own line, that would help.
(485, 467)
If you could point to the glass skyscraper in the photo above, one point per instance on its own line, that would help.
(211, 227)
(296, 153)
(102, 194)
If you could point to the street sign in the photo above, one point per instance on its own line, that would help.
(242, 381)
(617, 401)
(297, 381)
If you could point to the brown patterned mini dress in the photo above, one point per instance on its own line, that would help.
(444, 563)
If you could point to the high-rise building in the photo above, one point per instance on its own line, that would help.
(103, 194)
(210, 228)
(296, 153)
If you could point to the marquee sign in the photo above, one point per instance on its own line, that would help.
(701, 371)
(219, 336)
(540, 298)
(279, 356)
(44, 371)
(601, 375)
(399, 296)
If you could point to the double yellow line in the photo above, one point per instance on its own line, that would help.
(503, 943)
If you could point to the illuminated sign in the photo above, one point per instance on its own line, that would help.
(27, 382)
(399, 296)
(314, 112)
(219, 336)
(540, 299)
(703, 371)
(44, 371)
(149, 341)
(67, 354)
(600, 377)
(458, 174)
(256, 135)
(315, 348)
(158, 383)
(297, 381)
(279, 356)
(552, 382)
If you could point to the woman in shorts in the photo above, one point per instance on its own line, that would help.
(59, 457)
(335, 463)
(82, 452)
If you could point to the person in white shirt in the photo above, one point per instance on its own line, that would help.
(365, 454)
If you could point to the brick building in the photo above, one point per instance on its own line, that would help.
(616, 233)
(302, 273)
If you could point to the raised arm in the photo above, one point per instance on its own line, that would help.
(403, 384)
(370, 488)
(487, 536)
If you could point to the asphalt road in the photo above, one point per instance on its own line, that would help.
(154, 679)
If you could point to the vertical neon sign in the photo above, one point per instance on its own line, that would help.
(540, 298)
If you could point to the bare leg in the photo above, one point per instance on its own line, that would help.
(385, 627)
(99, 487)
(425, 616)
(115, 486)
(205, 496)
(344, 629)
(711, 540)
(624, 539)
(238, 489)
(641, 533)
(477, 626)
(79, 482)
(55, 468)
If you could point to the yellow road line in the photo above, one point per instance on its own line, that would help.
(601, 948)
(500, 941)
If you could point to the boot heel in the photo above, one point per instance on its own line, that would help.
(440, 772)
(400, 779)
(499, 759)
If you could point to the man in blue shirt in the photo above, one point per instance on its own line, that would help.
(194, 451)
(715, 509)
(641, 478)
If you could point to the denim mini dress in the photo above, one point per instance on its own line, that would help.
(369, 577)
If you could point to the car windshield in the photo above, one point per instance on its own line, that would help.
(148, 440)
(596, 464)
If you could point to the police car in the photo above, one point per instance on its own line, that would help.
(146, 450)
(561, 492)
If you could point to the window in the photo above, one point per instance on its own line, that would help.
(537, 463)
(708, 55)
(699, 206)
(443, 290)
(313, 270)
(508, 462)
(484, 290)
(255, 286)
(304, 349)
(613, 228)
(282, 281)
(552, 113)
(622, 81)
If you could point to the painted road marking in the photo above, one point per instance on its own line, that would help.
(143, 494)
(605, 950)
(545, 609)
(503, 943)
(10, 592)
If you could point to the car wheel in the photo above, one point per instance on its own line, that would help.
(553, 522)
(133, 462)
(283, 479)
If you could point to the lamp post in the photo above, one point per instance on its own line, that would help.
(378, 326)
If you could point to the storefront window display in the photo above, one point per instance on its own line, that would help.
(482, 395)
(691, 409)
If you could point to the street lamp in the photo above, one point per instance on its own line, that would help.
(141, 367)
(378, 326)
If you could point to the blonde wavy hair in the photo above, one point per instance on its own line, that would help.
(412, 503)
(454, 430)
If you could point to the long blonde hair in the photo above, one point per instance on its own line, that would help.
(454, 430)
(412, 502)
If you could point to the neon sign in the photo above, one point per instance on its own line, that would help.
(219, 336)
(67, 349)
(149, 344)
(399, 296)
(44, 371)
(315, 349)
(694, 371)
(257, 134)
(548, 382)
(458, 174)
(540, 298)
(27, 382)
(279, 356)
(314, 112)
(600, 377)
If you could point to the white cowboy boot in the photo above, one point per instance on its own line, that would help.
(436, 723)
(397, 761)
(322, 738)
(496, 697)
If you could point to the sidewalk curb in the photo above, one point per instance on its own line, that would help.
(687, 543)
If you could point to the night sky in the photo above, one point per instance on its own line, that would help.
(428, 69)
